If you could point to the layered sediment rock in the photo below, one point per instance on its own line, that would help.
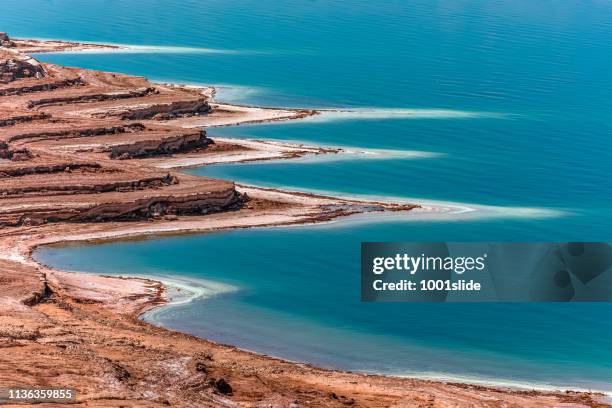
(172, 142)
(57, 131)
(80, 180)
(158, 110)
(40, 86)
(92, 97)
(47, 168)
(14, 118)
(176, 199)
(63, 130)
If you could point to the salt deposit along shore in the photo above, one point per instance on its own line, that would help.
(89, 156)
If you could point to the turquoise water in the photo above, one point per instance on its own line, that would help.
(294, 293)
(513, 97)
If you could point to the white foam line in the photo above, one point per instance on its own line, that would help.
(383, 154)
(182, 290)
(148, 49)
(236, 93)
(229, 93)
(431, 209)
(331, 115)
(327, 115)
(144, 49)
(491, 382)
(162, 49)
(351, 153)
(345, 152)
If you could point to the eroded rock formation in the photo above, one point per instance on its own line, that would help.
(69, 137)
(14, 65)
(5, 41)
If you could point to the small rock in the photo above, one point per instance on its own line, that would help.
(204, 356)
(120, 372)
(223, 386)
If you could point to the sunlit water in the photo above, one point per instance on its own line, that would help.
(509, 99)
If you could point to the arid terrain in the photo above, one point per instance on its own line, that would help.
(88, 155)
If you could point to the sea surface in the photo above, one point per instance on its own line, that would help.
(505, 104)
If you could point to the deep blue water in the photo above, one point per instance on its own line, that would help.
(531, 80)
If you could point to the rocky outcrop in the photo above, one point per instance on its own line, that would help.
(5, 41)
(38, 87)
(8, 153)
(63, 126)
(20, 153)
(14, 65)
(46, 168)
(36, 186)
(11, 120)
(175, 200)
(93, 97)
(58, 133)
(157, 111)
(15, 154)
(174, 143)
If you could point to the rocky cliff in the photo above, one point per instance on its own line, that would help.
(70, 139)
(14, 65)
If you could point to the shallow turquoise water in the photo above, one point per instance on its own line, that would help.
(294, 293)
(535, 72)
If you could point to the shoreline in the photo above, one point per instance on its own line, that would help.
(131, 297)
(141, 287)
(436, 377)
(224, 289)
(162, 300)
